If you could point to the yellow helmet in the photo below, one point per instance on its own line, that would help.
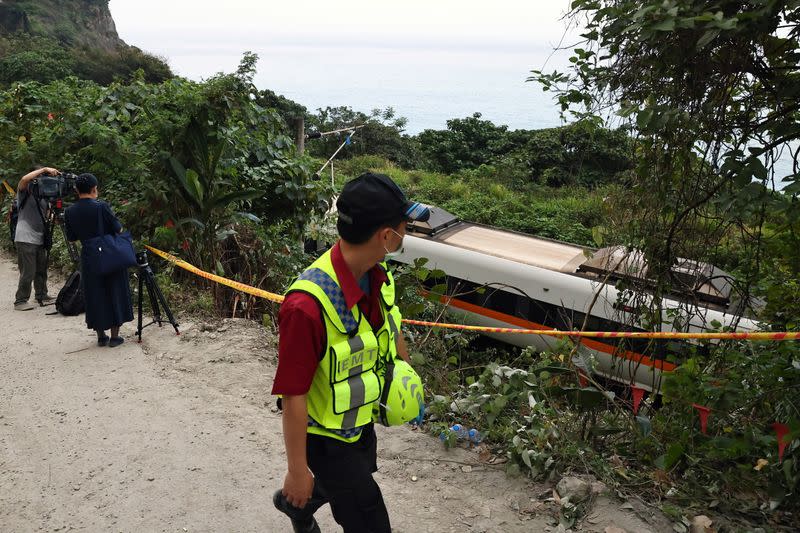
(401, 397)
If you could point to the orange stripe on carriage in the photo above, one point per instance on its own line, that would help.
(589, 343)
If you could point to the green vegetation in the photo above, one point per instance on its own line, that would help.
(44, 59)
(484, 195)
(48, 40)
(710, 91)
(577, 154)
(381, 135)
(196, 167)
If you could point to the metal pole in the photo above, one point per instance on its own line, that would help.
(330, 160)
(300, 135)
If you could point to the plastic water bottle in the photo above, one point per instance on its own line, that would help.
(458, 430)
(474, 436)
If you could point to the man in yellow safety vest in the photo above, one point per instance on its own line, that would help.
(339, 328)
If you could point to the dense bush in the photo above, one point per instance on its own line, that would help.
(190, 162)
(482, 195)
(575, 154)
(381, 134)
(466, 144)
(33, 58)
(26, 57)
(104, 67)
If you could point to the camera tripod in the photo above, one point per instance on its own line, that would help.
(56, 218)
(147, 280)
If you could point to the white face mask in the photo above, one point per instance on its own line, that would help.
(398, 251)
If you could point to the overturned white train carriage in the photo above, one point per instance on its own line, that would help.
(537, 283)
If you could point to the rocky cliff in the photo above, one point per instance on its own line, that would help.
(44, 40)
(13, 19)
(71, 22)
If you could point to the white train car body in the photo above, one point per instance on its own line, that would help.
(536, 283)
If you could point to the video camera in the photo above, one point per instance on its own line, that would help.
(53, 187)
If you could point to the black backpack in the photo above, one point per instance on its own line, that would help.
(69, 301)
(13, 217)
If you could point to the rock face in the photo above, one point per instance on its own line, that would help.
(73, 22)
(12, 19)
(100, 25)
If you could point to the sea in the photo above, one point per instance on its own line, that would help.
(427, 86)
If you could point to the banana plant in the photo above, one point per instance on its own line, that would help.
(210, 198)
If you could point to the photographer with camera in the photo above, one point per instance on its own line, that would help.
(29, 240)
(107, 296)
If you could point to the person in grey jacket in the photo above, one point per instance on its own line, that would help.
(29, 242)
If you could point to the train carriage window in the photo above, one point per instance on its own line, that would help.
(463, 290)
(468, 292)
(501, 301)
(523, 309)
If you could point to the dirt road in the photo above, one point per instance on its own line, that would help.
(179, 434)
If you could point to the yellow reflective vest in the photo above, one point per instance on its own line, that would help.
(346, 384)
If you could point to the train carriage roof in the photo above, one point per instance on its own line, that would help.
(519, 247)
(691, 278)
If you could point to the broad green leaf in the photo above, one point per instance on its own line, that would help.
(597, 235)
(249, 216)
(229, 198)
(664, 25)
(643, 118)
(195, 188)
(706, 38)
(674, 453)
(192, 221)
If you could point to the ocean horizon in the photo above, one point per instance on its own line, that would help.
(427, 86)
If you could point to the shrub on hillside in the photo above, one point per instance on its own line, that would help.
(33, 58)
(576, 154)
(25, 57)
(381, 134)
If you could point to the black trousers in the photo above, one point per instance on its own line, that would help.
(343, 477)
(32, 263)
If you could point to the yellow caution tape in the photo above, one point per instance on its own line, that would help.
(730, 335)
(277, 298)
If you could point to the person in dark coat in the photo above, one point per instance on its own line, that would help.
(108, 298)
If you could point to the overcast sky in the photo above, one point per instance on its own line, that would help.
(398, 23)
(432, 60)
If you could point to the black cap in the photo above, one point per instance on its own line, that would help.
(85, 183)
(372, 199)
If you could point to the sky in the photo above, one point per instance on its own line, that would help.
(431, 60)
(185, 24)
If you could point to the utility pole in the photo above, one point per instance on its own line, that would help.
(300, 135)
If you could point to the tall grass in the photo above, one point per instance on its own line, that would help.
(483, 196)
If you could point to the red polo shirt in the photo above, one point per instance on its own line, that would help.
(302, 332)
